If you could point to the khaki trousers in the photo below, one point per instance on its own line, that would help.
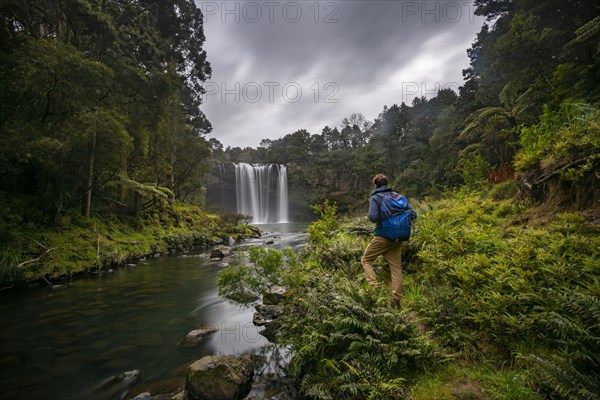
(392, 251)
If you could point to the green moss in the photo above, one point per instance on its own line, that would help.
(81, 244)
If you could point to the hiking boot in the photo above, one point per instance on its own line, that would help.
(395, 303)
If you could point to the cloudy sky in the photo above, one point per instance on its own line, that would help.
(280, 66)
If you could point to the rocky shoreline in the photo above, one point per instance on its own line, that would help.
(229, 377)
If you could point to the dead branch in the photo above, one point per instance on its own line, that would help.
(558, 171)
(38, 243)
(24, 263)
(7, 287)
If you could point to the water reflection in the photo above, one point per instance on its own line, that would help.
(61, 343)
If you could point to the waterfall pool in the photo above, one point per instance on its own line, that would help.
(76, 341)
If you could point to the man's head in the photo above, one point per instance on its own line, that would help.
(380, 180)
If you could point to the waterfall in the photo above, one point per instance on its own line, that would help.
(222, 179)
(283, 194)
(262, 192)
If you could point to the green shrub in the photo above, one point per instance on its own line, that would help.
(320, 231)
(255, 272)
(560, 138)
(504, 191)
(348, 344)
(489, 285)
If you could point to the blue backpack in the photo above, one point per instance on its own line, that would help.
(396, 217)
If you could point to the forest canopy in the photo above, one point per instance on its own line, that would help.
(100, 109)
(100, 104)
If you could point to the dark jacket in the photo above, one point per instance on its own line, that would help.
(375, 206)
(375, 203)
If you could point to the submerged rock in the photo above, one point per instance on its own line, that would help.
(115, 387)
(161, 390)
(220, 252)
(143, 396)
(195, 336)
(220, 378)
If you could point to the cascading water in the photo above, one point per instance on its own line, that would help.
(262, 192)
(283, 194)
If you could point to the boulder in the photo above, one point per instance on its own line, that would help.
(180, 396)
(194, 337)
(220, 252)
(220, 378)
(266, 313)
(217, 240)
(270, 331)
(259, 319)
(274, 294)
(256, 233)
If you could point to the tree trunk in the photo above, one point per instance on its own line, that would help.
(87, 199)
(123, 189)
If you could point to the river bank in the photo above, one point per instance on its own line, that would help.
(74, 341)
(77, 246)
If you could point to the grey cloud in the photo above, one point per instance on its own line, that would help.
(374, 48)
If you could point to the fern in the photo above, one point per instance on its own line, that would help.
(574, 370)
(349, 347)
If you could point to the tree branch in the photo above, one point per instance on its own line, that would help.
(24, 263)
(558, 171)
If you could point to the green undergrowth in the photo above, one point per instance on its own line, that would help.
(492, 308)
(106, 240)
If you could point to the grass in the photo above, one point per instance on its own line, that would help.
(80, 245)
(463, 380)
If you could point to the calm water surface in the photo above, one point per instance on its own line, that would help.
(67, 343)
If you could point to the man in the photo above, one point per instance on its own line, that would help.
(379, 245)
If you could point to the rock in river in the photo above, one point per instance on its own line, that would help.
(220, 252)
(266, 313)
(195, 336)
(115, 387)
(274, 294)
(220, 378)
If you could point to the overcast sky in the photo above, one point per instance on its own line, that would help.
(280, 66)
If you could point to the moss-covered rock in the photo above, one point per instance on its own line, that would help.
(220, 378)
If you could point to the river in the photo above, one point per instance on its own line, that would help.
(69, 342)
